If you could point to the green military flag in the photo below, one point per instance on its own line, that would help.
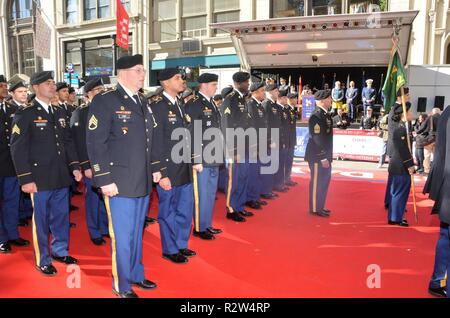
(395, 79)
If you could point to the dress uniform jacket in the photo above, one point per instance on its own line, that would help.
(293, 116)
(273, 119)
(259, 117)
(169, 117)
(320, 143)
(6, 118)
(78, 125)
(42, 149)
(119, 139)
(401, 158)
(199, 108)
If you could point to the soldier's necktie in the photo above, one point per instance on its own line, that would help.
(2, 109)
(137, 99)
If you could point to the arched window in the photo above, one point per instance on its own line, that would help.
(447, 61)
(21, 18)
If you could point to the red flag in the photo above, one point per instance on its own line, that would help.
(122, 26)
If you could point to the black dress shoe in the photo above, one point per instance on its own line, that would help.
(246, 213)
(291, 183)
(274, 194)
(177, 258)
(22, 222)
(5, 248)
(280, 189)
(65, 259)
(402, 223)
(73, 207)
(145, 284)
(48, 270)
(128, 294)
(19, 242)
(261, 202)
(106, 235)
(72, 225)
(98, 241)
(253, 205)
(269, 196)
(206, 235)
(326, 211)
(214, 231)
(187, 252)
(438, 292)
(235, 217)
(150, 220)
(321, 214)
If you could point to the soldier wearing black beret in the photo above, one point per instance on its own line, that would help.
(119, 142)
(319, 153)
(293, 116)
(283, 143)
(45, 158)
(235, 115)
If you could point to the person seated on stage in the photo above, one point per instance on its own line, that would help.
(369, 122)
(284, 86)
(337, 94)
(340, 120)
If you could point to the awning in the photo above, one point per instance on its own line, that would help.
(332, 40)
(195, 61)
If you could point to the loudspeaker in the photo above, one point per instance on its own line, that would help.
(422, 105)
(439, 102)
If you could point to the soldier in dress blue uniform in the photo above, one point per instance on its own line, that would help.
(319, 153)
(235, 116)
(203, 109)
(119, 143)
(258, 122)
(18, 92)
(96, 216)
(173, 175)
(44, 156)
(292, 138)
(280, 121)
(9, 187)
(351, 94)
(401, 166)
(369, 94)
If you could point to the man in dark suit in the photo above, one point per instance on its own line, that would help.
(319, 153)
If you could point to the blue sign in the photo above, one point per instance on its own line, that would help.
(73, 79)
(308, 105)
(302, 141)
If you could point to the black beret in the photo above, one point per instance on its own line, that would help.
(168, 73)
(17, 85)
(71, 90)
(240, 77)
(283, 93)
(322, 94)
(405, 89)
(217, 97)
(208, 78)
(292, 95)
(3, 79)
(61, 85)
(128, 61)
(398, 108)
(91, 84)
(41, 77)
(226, 91)
(188, 92)
(255, 86)
(270, 87)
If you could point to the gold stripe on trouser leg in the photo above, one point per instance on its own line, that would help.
(314, 198)
(230, 179)
(444, 281)
(113, 245)
(37, 252)
(196, 200)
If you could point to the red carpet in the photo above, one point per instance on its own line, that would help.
(280, 252)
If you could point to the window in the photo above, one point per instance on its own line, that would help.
(194, 18)
(165, 14)
(126, 5)
(288, 8)
(362, 6)
(73, 55)
(26, 51)
(225, 11)
(97, 9)
(21, 9)
(326, 7)
(71, 11)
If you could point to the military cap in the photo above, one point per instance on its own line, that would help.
(240, 77)
(217, 97)
(188, 92)
(398, 108)
(369, 81)
(91, 84)
(226, 91)
(405, 89)
(283, 93)
(271, 87)
(208, 78)
(61, 85)
(255, 86)
(3, 79)
(292, 95)
(322, 94)
(128, 61)
(17, 85)
(168, 73)
(40, 77)
(71, 90)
